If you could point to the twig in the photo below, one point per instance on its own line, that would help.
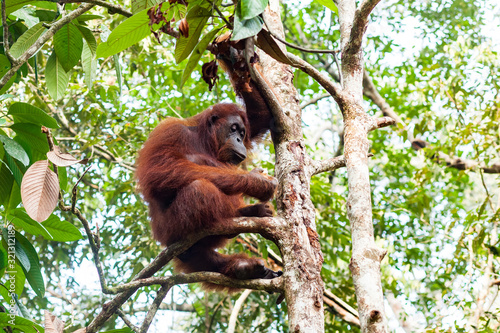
(330, 164)
(332, 87)
(6, 46)
(219, 305)
(236, 309)
(268, 227)
(160, 296)
(359, 26)
(112, 8)
(228, 24)
(42, 40)
(339, 68)
(127, 322)
(50, 141)
(314, 100)
(300, 48)
(75, 190)
(90, 236)
(382, 122)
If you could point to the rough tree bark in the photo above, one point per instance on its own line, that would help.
(366, 255)
(298, 243)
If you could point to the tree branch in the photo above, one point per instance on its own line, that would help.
(272, 285)
(269, 227)
(6, 46)
(314, 100)
(160, 296)
(332, 87)
(42, 40)
(382, 122)
(330, 164)
(236, 309)
(359, 26)
(112, 8)
(127, 321)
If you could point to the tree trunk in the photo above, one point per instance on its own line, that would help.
(298, 243)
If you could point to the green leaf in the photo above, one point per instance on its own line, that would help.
(246, 28)
(21, 219)
(128, 33)
(89, 64)
(34, 275)
(56, 77)
(68, 44)
(15, 150)
(27, 39)
(19, 324)
(89, 38)
(6, 182)
(196, 17)
(197, 53)
(328, 4)
(32, 139)
(63, 178)
(88, 17)
(138, 5)
(3, 258)
(10, 240)
(26, 15)
(16, 168)
(251, 8)
(46, 15)
(118, 72)
(4, 68)
(13, 5)
(61, 231)
(27, 113)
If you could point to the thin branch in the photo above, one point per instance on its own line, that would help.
(330, 164)
(236, 309)
(269, 227)
(91, 239)
(42, 40)
(339, 68)
(127, 322)
(359, 26)
(293, 46)
(112, 8)
(6, 36)
(160, 296)
(332, 87)
(100, 150)
(342, 312)
(314, 100)
(382, 122)
(183, 307)
(272, 285)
